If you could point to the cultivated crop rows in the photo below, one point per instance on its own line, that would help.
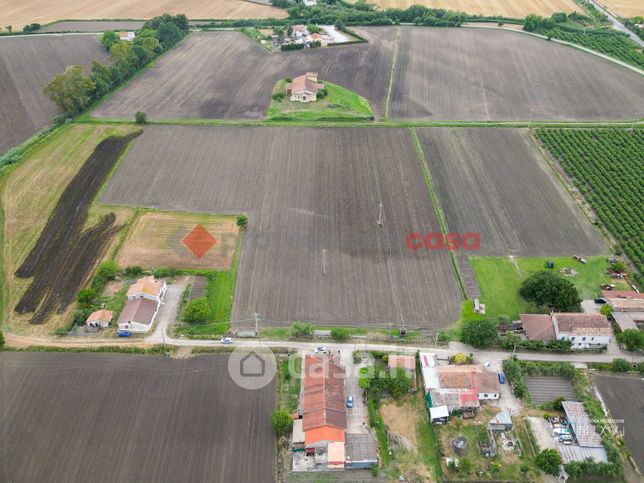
(114, 417)
(313, 250)
(493, 182)
(607, 165)
(27, 64)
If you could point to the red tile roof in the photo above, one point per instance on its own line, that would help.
(487, 382)
(538, 326)
(323, 395)
(404, 362)
(306, 82)
(138, 310)
(570, 322)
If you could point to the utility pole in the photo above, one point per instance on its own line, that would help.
(256, 323)
(380, 205)
(324, 260)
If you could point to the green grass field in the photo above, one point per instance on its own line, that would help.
(340, 104)
(500, 279)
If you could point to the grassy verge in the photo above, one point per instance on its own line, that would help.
(158, 349)
(340, 104)
(220, 289)
(290, 382)
(500, 279)
(376, 422)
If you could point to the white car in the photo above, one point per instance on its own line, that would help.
(320, 350)
(226, 340)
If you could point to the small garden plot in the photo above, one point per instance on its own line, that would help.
(180, 240)
(544, 389)
(334, 103)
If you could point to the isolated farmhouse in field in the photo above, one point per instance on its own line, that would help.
(304, 88)
(127, 36)
(100, 318)
(143, 301)
(584, 331)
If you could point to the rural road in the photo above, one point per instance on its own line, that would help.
(617, 25)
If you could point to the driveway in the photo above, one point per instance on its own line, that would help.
(168, 312)
(357, 415)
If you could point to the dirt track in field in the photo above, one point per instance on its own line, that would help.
(64, 255)
(313, 250)
(483, 74)
(25, 12)
(227, 75)
(27, 64)
(158, 239)
(494, 182)
(114, 417)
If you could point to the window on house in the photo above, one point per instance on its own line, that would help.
(572, 338)
(583, 338)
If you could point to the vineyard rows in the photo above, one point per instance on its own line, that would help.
(607, 166)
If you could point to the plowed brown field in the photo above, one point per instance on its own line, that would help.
(313, 250)
(27, 64)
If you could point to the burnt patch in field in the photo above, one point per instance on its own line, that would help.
(64, 254)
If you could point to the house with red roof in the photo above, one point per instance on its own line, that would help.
(304, 88)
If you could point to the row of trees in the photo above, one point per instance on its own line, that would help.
(73, 91)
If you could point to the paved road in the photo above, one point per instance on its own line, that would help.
(617, 25)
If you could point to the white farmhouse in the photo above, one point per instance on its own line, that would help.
(583, 330)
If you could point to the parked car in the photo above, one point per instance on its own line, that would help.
(226, 340)
(350, 402)
(599, 300)
(501, 378)
(320, 350)
(560, 431)
(125, 333)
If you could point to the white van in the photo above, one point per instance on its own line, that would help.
(560, 431)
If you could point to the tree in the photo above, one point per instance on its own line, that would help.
(364, 378)
(479, 333)
(606, 310)
(86, 296)
(632, 339)
(547, 289)
(282, 423)
(123, 57)
(399, 382)
(80, 316)
(548, 461)
(108, 39)
(141, 117)
(197, 311)
(340, 333)
(71, 91)
(618, 267)
(101, 75)
(339, 25)
(621, 365)
(312, 28)
(301, 329)
(168, 34)
(242, 221)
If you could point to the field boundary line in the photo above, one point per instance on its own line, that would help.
(551, 163)
(437, 207)
(614, 60)
(392, 72)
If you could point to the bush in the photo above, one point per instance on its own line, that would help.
(286, 47)
(1, 339)
(374, 470)
(197, 311)
(32, 27)
(242, 221)
(548, 289)
(165, 272)
(301, 329)
(133, 271)
(479, 333)
(632, 339)
(278, 96)
(621, 365)
(106, 271)
(79, 317)
(86, 297)
(141, 117)
(282, 423)
(340, 333)
(548, 461)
